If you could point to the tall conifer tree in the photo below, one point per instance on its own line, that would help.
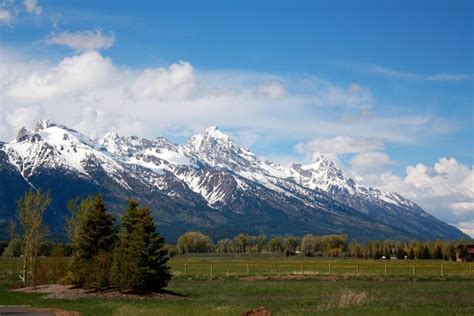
(94, 244)
(140, 260)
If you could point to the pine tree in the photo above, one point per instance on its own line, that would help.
(140, 260)
(411, 254)
(94, 244)
(438, 253)
(425, 253)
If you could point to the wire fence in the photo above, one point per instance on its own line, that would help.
(383, 269)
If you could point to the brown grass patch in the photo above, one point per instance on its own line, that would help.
(346, 299)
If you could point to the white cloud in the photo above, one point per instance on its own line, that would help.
(165, 100)
(81, 73)
(176, 82)
(467, 227)
(462, 208)
(94, 122)
(446, 189)
(82, 41)
(404, 75)
(274, 90)
(370, 160)
(23, 116)
(6, 17)
(20, 117)
(341, 145)
(32, 7)
(366, 167)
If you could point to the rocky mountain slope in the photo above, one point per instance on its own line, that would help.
(209, 184)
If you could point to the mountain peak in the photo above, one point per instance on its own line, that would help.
(24, 132)
(320, 161)
(215, 133)
(43, 124)
(110, 135)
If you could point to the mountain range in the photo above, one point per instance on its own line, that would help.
(209, 184)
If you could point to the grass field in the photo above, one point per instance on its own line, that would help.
(231, 292)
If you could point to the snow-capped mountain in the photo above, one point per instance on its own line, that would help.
(209, 183)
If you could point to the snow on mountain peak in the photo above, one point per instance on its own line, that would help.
(43, 124)
(214, 132)
(59, 145)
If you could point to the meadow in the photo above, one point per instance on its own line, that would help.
(285, 286)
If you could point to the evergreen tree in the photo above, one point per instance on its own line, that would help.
(94, 244)
(438, 253)
(411, 254)
(140, 260)
(401, 253)
(425, 253)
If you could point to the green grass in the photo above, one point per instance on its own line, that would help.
(230, 295)
(195, 265)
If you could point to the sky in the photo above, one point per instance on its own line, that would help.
(385, 88)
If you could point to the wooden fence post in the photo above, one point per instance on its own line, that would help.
(329, 268)
(414, 271)
(302, 269)
(185, 269)
(385, 269)
(211, 271)
(357, 269)
(442, 269)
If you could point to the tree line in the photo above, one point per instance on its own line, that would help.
(332, 246)
(129, 255)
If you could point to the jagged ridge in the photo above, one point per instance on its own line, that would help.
(213, 184)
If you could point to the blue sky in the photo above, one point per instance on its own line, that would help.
(391, 82)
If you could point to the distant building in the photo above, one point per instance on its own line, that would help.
(465, 252)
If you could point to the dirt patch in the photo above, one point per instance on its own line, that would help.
(57, 291)
(294, 277)
(261, 311)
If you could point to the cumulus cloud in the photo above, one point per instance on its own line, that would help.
(82, 41)
(175, 82)
(272, 90)
(24, 116)
(445, 189)
(94, 121)
(6, 17)
(179, 98)
(32, 7)
(80, 73)
(467, 227)
(366, 167)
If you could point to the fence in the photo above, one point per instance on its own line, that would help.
(382, 269)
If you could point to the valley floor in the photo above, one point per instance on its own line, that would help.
(282, 294)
